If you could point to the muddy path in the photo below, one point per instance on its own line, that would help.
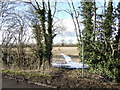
(11, 83)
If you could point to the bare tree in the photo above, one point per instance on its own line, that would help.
(13, 26)
(5, 9)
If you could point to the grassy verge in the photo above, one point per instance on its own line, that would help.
(27, 76)
(62, 78)
(24, 73)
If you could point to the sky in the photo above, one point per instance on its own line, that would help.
(68, 34)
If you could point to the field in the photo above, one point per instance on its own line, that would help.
(70, 51)
(65, 50)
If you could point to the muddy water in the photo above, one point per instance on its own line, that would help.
(11, 83)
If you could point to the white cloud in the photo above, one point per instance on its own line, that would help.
(69, 33)
(66, 39)
(68, 23)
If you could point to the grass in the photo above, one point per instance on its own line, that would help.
(25, 74)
